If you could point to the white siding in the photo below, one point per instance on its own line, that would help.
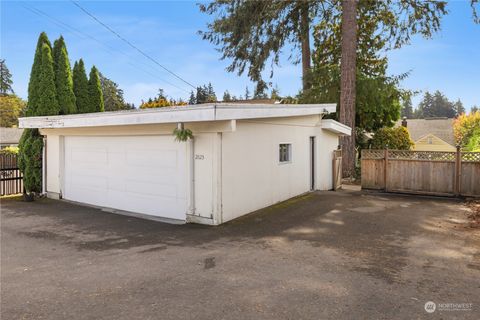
(53, 164)
(254, 178)
(327, 142)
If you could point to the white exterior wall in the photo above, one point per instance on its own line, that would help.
(327, 142)
(53, 166)
(236, 166)
(253, 177)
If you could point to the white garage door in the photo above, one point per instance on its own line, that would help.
(144, 174)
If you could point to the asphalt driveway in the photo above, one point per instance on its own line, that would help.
(327, 255)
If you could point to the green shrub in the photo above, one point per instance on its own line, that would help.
(392, 138)
(473, 144)
(30, 159)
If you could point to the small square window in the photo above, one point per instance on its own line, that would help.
(285, 152)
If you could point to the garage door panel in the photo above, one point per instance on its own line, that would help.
(89, 181)
(115, 172)
(154, 158)
(89, 156)
(153, 189)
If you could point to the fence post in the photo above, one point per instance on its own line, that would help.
(385, 168)
(458, 165)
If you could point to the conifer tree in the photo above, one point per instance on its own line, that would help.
(95, 92)
(42, 101)
(80, 87)
(47, 103)
(192, 99)
(35, 75)
(5, 79)
(63, 78)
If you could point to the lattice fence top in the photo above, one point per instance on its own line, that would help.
(471, 156)
(421, 155)
(373, 154)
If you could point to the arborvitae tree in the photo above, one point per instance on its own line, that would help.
(95, 92)
(42, 101)
(36, 75)
(5, 79)
(47, 100)
(30, 159)
(63, 78)
(80, 87)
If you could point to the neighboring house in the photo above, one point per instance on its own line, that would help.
(431, 134)
(9, 137)
(242, 158)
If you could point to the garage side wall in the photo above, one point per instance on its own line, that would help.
(328, 143)
(252, 176)
(53, 165)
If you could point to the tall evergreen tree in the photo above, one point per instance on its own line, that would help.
(260, 90)
(5, 79)
(202, 95)
(63, 78)
(459, 108)
(47, 103)
(36, 75)
(80, 87)
(95, 92)
(407, 108)
(42, 101)
(226, 96)
(113, 95)
(211, 96)
(192, 99)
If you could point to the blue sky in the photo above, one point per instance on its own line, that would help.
(167, 30)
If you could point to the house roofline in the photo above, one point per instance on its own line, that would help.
(208, 112)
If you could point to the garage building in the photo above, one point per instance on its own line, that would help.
(242, 158)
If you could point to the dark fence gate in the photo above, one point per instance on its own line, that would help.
(11, 179)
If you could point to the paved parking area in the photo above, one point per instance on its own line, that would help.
(326, 255)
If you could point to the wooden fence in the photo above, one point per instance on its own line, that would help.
(422, 172)
(11, 180)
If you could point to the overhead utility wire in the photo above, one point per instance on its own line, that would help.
(132, 45)
(108, 48)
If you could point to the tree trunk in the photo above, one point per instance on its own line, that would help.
(347, 85)
(305, 40)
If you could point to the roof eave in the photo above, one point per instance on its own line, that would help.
(175, 115)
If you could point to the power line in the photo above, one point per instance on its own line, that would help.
(82, 34)
(132, 45)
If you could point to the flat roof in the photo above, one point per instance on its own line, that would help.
(196, 113)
